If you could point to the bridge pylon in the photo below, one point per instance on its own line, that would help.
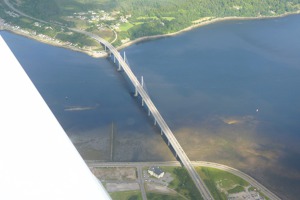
(172, 141)
(119, 66)
(142, 83)
(136, 92)
(124, 57)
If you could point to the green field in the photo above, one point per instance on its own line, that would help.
(220, 184)
(127, 195)
(156, 196)
(182, 182)
(126, 26)
(215, 178)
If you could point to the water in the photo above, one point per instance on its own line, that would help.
(87, 95)
(229, 91)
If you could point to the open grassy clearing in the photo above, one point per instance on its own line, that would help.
(182, 182)
(157, 196)
(127, 195)
(220, 183)
(125, 26)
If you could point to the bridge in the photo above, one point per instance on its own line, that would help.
(158, 119)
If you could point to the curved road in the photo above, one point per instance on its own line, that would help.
(157, 117)
(234, 171)
(152, 108)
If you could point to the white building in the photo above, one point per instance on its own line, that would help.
(156, 172)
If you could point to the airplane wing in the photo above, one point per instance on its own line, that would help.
(37, 159)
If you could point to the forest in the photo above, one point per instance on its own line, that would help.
(152, 17)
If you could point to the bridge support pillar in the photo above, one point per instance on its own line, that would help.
(136, 92)
(114, 59)
(149, 112)
(124, 57)
(161, 132)
(142, 102)
(168, 143)
(104, 47)
(119, 68)
(154, 122)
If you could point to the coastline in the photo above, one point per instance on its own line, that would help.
(36, 38)
(102, 54)
(204, 23)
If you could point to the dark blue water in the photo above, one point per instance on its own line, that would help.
(87, 96)
(230, 91)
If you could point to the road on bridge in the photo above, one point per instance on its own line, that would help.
(164, 127)
(157, 117)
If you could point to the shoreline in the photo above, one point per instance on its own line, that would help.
(103, 54)
(52, 43)
(204, 23)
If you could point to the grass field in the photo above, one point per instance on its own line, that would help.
(125, 26)
(217, 180)
(127, 195)
(236, 189)
(182, 183)
(157, 196)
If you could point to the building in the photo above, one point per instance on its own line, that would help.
(156, 172)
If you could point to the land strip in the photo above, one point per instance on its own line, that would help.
(196, 24)
(203, 23)
(249, 179)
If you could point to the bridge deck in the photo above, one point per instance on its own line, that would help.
(160, 121)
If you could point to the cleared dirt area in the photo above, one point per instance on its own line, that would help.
(152, 187)
(118, 187)
(115, 173)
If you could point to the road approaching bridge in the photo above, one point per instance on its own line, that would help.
(152, 109)
(139, 90)
(270, 195)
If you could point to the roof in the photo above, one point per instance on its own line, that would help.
(156, 170)
(38, 160)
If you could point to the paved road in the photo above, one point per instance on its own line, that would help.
(234, 171)
(146, 99)
(141, 181)
(244, 176)
(23, 14)
(157, 117)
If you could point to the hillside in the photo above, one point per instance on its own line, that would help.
(120, 21)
